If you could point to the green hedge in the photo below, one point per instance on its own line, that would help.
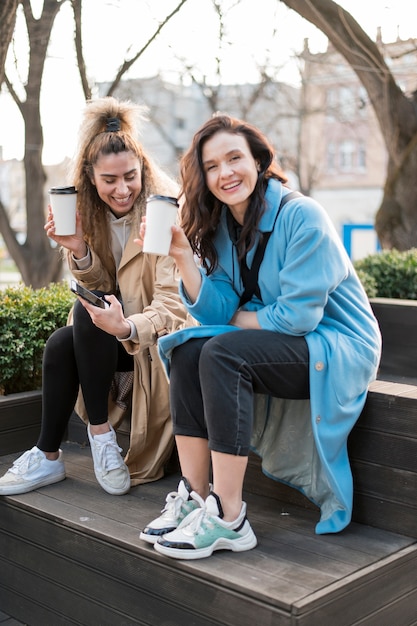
(27, 318)
(389, 274)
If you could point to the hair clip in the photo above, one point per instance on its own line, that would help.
(112, 124)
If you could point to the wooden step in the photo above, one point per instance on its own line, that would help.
(70, 554)
(383, 454)
(20, 421)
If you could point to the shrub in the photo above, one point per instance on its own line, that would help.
(27, 318)
(389, 274)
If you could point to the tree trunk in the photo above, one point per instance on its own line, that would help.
(36, 260)
(39, 263)
(396, 219)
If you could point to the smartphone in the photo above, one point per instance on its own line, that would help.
(88, 295)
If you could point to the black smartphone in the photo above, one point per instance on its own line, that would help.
(88, 295)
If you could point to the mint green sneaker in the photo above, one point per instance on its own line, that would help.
(204, 531)
(178, 505)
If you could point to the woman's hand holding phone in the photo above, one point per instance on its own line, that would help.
(109, 318)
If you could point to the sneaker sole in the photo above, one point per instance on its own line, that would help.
(113, 491)
(236, 545)
(149, 538)
(17, 490)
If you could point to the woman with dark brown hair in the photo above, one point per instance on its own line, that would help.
(286, 349)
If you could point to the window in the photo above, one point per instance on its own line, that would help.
(363, 101)
(347, 104)
(362, 155)
(331, 156)
(332, 100)
(346, 155)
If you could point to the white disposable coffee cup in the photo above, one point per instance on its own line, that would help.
(161, 214)
(64, 203)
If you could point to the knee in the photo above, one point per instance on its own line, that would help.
(80, 315)
(186, 355)
(57, 345)
(212, 352)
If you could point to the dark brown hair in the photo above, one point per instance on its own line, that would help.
(201, 210)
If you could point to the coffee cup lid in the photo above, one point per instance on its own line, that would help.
(164, 198)
(62, 190)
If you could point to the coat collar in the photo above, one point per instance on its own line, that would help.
(273, 200)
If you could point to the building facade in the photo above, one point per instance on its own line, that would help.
(343, 157)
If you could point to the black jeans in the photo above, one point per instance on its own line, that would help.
(76, 355)
(213, 381)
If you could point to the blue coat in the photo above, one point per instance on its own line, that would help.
(309, 288)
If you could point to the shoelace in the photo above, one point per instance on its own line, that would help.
(197, 520)
(109, 455)
(173, 504)
(24, 462)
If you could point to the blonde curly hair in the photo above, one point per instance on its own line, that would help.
(110, 126)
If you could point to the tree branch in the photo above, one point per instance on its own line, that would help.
(77, 10)
(128, 64)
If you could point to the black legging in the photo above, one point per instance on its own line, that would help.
(76, 355)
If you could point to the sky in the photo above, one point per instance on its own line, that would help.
(111, 26)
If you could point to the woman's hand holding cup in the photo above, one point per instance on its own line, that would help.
(75, 243)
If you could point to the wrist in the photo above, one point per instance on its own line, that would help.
(80, 253)
(126, 333)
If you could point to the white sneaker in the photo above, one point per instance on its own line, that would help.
(111, 471)
(178, 505)
(204, 531)
(30, 471)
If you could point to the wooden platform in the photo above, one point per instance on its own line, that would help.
(70, 554)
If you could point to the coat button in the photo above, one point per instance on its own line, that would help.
(318, 418)
(319, 366)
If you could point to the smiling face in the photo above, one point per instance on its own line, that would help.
(117, 178)
(231, 172)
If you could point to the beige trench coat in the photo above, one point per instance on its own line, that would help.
(149, 291)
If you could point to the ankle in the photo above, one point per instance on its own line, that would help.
(51, 456)
(231, 508)
(99, 429)
(202, 490)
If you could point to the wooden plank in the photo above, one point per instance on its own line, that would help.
(390, 414)
(20, 421)
(286, 541)
(396, 517)
(398, 386)
(363, 593)
(386, 483)
(397, 321)
(290, 563)
(385, 449)
(149, 586)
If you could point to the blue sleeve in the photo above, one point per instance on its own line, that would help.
(217, 301)
(313, 265)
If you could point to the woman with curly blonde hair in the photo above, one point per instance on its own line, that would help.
(107, 358)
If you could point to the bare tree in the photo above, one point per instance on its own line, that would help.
(39, 263)
(396, 220)
(36, 260)
(8, 10)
